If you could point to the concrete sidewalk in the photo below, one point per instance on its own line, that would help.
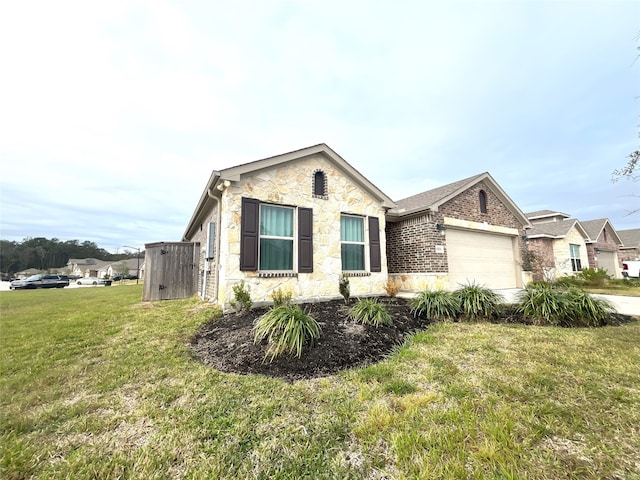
(624, 305)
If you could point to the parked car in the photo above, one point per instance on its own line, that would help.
(40, 281)
(7, 277)
(631, 269)
(119, 277)
(93, 281)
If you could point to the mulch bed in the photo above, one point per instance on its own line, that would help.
(226, 343)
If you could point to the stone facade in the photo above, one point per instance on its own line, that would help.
(291, 184)
(561, 253)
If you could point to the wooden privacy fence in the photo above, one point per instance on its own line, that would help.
(171, 270)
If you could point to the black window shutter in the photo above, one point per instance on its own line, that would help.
(375, 260)
(305, 240)
(249, 225)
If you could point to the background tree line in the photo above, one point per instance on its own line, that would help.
(43, 254)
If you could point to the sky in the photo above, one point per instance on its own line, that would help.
(114, 114)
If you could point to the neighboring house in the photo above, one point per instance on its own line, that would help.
(558, 243)
(630, 248)
(92, 267)
(603, 245)
(85, 267)
(297, 222)
(468, 231)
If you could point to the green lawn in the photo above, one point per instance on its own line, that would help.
(96, 384)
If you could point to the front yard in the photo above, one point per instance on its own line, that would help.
(96, 384)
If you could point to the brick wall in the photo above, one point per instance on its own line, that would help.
(542, 249)
(411, 243)
(411, 246)
(604, 242)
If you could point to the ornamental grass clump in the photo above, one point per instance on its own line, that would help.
(542, 304)
(476, 302)
(286, 328)
(585, 310)
(370, 312)
(572, 307)
(435, 305)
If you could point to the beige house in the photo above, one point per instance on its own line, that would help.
(295, 222)
(301, 220)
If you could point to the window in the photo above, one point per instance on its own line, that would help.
(482, 198)
(211, 241)
(352, 242)
(574, 253)
(319, 184)
(267, 234)
(276, 237)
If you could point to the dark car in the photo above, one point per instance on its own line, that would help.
(40, 281)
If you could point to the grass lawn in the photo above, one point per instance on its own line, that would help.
(96, 384)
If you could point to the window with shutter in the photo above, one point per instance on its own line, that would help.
(352, 242)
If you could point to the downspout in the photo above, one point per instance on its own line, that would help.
(216, 274)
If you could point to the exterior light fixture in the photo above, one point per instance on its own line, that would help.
(441, 228)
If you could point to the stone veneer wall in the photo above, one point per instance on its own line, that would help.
(562, 256)
(411, 255)
(291, 185)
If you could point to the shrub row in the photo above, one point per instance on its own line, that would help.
(541, 303)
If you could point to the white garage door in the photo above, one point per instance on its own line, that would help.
(484, 258)
(608, 262)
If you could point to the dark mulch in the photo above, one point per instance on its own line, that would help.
(226, 343)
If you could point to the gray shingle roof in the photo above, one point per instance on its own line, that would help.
(554, 229)
(594, 227)
(630, 238)
(428, 199)
(545, 213)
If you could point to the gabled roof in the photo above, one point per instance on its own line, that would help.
(630, 238)
(595, 227)
(235, 173)
(537, 215)
(432, 199)
(556, 229)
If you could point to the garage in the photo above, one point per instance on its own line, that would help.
(608, 261)
(484, 258)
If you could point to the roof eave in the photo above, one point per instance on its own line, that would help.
(201, 209)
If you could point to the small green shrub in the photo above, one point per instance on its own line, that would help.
(476, 302)
(287, 328)
(566, 281)
(344, 288)
(370, 312)
(435, 305)
(281, 297)
(593, 277)
(241, 297)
